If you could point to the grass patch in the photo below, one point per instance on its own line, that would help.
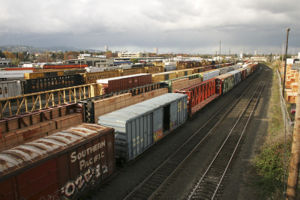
(269, 163)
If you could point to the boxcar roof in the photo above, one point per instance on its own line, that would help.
(17, 157)
(120, 77)
(120, 117)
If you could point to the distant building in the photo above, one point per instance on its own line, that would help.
(241, 55)
(299, 55)
(105, 62)
(94, 61)
(28, 65)
(258, 59)
(132, 55)
(5, 62)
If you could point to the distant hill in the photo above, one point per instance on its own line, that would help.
(19, 48)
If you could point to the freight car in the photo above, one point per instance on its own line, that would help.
(139, 126)
(200, 94)
(64, 66)
(20, 87)
(45, 73)
(224, 83)
(13, 75)
(51, 83)
(63, 165)
(10, 88)
(60, 166)
(125, 82)
(209, 74)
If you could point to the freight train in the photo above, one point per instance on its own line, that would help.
(64, 164)
(49, 80)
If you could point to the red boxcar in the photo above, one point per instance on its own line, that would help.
(125, 82)
(60, 166)
(199, 95)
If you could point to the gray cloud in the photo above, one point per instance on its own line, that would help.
(170, 25)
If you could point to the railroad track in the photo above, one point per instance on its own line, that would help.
(151, 184)
(208, 185)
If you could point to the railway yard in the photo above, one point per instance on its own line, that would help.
(182, 160)
(135, 134)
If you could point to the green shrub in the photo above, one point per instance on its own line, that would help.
(271, 168)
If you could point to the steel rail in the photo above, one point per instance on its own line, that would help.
(173, 155)
(259, 89)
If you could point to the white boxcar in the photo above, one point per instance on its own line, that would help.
(13, 75)
(210, 74)
(10, 88)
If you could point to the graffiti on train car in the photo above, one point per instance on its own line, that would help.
(88, 177)
(90, 166)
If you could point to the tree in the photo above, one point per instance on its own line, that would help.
(108, 54)
(71, 55)
(9, 55)
(134, 60)
(2, 55)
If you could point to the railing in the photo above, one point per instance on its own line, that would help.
(35, 101)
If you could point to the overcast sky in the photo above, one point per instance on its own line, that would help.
(170, 25)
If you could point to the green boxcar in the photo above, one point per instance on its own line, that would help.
(225, 82)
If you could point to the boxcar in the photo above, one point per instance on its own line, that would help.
(164, 76)
(59, 166)
(139, 126)
(210, 74)
(200, 94)
(92, 77)
(184, 72)
(125, 82)
(237, 76)
(224, 83)
(51, 83)
(10, 88)
(13, 75)
(243, 73)
(126, 72)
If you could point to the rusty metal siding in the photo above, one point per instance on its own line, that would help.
(58, 166)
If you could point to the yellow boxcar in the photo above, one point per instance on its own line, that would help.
(126, 72)
(184, 72)
(60, 73)
(34, 75)
(164, 76)
(92, 77)
(154, 69)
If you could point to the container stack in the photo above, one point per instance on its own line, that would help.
(291, 83)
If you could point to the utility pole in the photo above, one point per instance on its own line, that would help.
(220, 52)
(286, 49)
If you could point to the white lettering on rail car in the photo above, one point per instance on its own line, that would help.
(88, 151)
